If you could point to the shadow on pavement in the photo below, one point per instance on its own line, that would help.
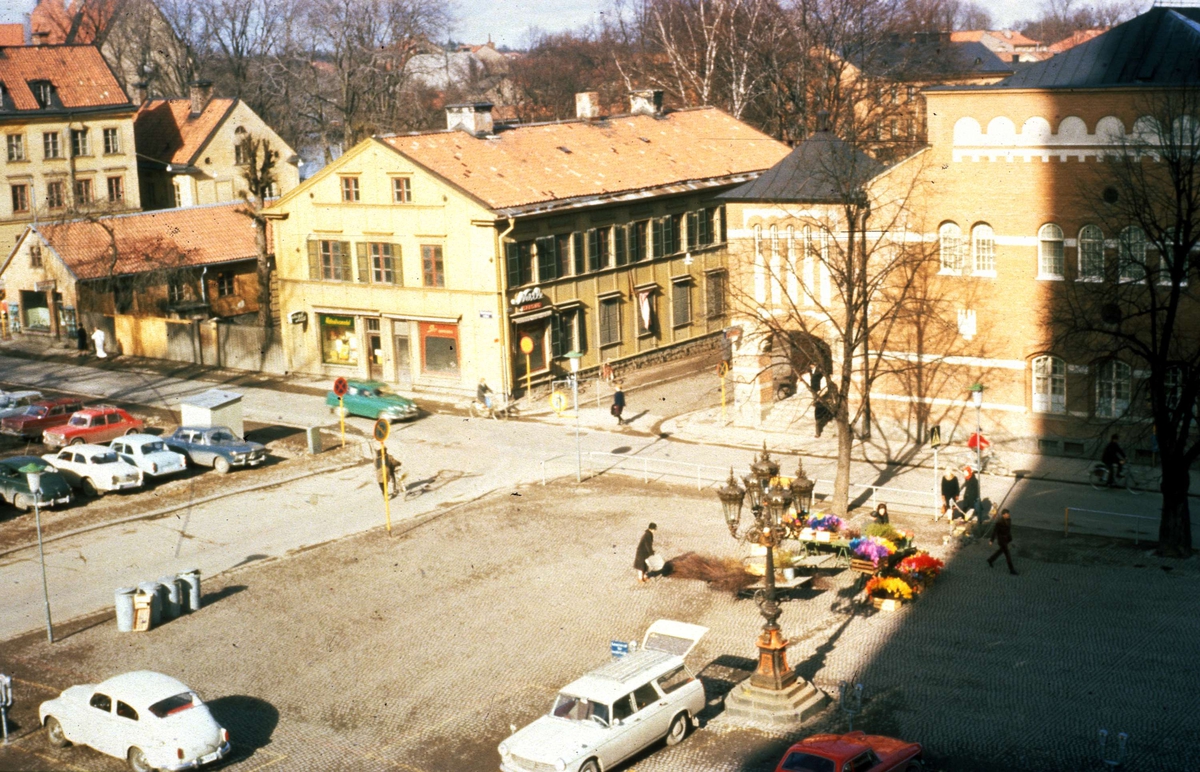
(250, 722)
(212, 597)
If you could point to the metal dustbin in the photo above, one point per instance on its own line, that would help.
(313, 433)
(152, 589)
(191, 585)
(169, 596)
(143, 606)
(124, 600)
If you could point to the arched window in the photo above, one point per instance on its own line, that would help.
(1091, 253)
(1131, 254)
(983, 250)
(1050, 252)
(760, 273)
(950, 247)
(1113, 383)
(1049, 385)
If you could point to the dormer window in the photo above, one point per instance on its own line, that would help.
(6, 102)
(43, 92)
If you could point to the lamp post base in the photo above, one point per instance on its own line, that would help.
(788, 707)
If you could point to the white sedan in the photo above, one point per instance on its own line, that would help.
(149, 719)
(148, 453)
(95, 469)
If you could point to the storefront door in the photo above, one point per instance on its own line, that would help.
(403, 361)
(439, 349)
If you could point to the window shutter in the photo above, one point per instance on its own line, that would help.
(720, 212)
(314, 260)
(593, 249)
(622, 256)
(344, 252)
(705, 222)
(364, 262)
(658, 237)
(512, 263)
(581, 340)
(556, 336)
(672, 227)
(397, 276)
(577, 246)
(693, 229)
(547, 260)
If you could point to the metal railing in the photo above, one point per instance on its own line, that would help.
(1120, 531)
(650, 467)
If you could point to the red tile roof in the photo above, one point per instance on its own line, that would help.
(12, 35)
(84, 21)
(78, 74)
(149, 241)
(538, 163)
(1076, 38)
(166, 132)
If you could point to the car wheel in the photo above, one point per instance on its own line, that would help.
(590, 766)
(77, 441)
(678, 730)
(23, 502)
(131, 431)
(55, 734)
(914, 766)
(89, 487)
(137, 761)
(221, 464)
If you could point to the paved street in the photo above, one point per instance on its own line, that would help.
(416, 652)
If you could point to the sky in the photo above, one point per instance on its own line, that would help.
(509, 21)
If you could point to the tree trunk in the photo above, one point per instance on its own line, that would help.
(841, 480)
(264, 279)
(1175, 527)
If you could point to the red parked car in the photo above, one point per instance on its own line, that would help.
(39, 417)
(851, 752)
(96, 425)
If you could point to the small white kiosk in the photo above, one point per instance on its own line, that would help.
(213, 408)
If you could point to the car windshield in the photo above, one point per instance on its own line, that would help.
(579, 709)
(222, 437)
(78, 420)
(172, 705)
(105, 458)
(806, 762)
(153, 447)
(36, 412)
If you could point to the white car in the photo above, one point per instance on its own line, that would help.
(617, 710)
(95, 469)
(148, 453)
(149, 719)
(14, 402)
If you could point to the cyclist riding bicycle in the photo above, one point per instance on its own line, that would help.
(1113, 458)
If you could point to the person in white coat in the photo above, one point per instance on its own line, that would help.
(98, 339)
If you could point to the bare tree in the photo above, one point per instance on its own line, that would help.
(1144, 306)
(258, 172)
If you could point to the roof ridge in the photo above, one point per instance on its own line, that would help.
(125, 215)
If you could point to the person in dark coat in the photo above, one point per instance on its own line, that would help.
(950, 491)
(645, 549)
(880, 514)
(1002, 535)
(381, 459)
(81, 339)
(618, 405)
(970, 494)
(1114, 459)
(822, 414)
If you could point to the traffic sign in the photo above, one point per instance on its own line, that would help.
(935, 436)
(383, 427)
(722, 369)
(526, 344)
(340, 387)
(558, 401)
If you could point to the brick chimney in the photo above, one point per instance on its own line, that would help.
(141, 92)
(40, 37)
(587, 105)
(200, 92)
(475, 118)
(646, 102)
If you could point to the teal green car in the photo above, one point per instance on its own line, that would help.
(372, 399)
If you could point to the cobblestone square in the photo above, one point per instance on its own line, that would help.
(416, 652)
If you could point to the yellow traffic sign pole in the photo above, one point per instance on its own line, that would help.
(342, 419)
(387, 499)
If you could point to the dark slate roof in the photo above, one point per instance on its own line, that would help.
(929, 57)
(821, 170)
(1159, 48)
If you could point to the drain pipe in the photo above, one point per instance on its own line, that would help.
(501, 277)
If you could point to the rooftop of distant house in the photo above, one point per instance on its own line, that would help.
(1077, 37)
(83, 21)
(57, 78)
(168, 131)
(1008, 37)
(12, 34)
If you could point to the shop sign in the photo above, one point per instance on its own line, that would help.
(529, 299)
(337, 321)
(298, 317)
(441, 330)
(485, 314)
(45, 286)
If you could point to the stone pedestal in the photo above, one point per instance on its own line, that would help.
(785, 708)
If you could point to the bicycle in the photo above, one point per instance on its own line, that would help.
(1132, 481)
(989, 462)
(501, 410)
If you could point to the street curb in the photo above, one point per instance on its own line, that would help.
(544, 413)
(168, 510)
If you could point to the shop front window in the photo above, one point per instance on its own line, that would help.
(439, 348)
(37, 310)
(339, 343)
(536, 332)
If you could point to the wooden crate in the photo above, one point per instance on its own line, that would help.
(862, 566)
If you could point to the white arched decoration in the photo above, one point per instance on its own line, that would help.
(776, 277)
(760, 272)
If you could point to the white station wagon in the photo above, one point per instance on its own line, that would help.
(149, 453)
(616, 710)
(149, 719)
(95, 469)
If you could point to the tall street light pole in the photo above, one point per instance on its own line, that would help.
(977, 398)
(33, 476)
(574, 356)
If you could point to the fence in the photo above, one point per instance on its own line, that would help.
(1108, 526)
(208, 342)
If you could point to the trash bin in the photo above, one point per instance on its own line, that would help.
(314, 439)
(143, 605)
(191, 585)
(152, 589)
(124, 598)
(169, 596)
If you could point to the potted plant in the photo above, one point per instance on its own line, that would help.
(872, 548)
(887, 593)
(920, 568)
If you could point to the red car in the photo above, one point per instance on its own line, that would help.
(40, 416)
(851, 752)
(96, 425)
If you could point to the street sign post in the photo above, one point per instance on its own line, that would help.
(527, 349)
(722, 371)
(574, 357)
(935, 440)
(382, 429)
(340, 387)
(6, 702)
(558, 402)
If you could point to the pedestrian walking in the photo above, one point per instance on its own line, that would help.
(950, 491)
(81, 339)
(98, 337)
(970, 495)
(822, 414)
(618, 405)
(384, 460)
(645, 549)
(1002, 535)
(483, 394)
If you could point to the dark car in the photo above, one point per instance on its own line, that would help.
(39, 417)
(14, 486)
(215, 446)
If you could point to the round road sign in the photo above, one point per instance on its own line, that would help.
(382, 428)
(558, 401)
(340, 387)
(526, 344)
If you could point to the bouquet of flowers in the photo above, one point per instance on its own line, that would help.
(922, 563)
(821, 522)
(793, 524)
(872, 548)
(889, 587)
